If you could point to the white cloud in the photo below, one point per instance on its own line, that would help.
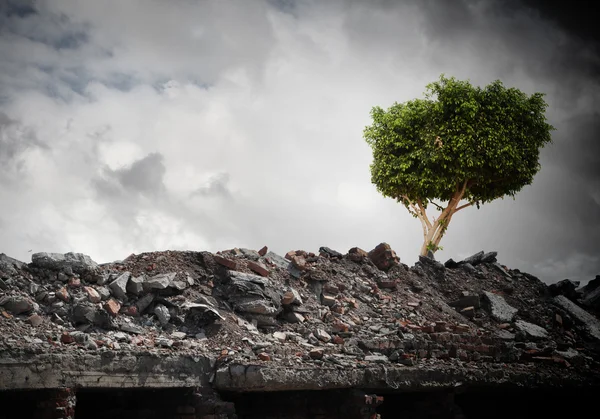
(254, 115)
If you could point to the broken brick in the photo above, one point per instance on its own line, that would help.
(74, 282)
(66, 338)
(112, 306)
(258, 268)
(35, 320)
(289, 255)
(316, 353)
(263, 251)
(263, 356)
(63, 294)
(92, 294)
(228, 263)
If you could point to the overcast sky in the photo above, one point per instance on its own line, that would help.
(141, 125)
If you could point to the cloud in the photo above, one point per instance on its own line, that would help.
(144, 125)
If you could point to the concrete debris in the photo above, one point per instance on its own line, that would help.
(348, 312)
(499, 309)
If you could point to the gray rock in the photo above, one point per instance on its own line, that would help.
(159, 282)
(294, 317)
(10, 266)
(451, 264)
(330, 252)
(103, 279)
(263, 307)
(256, 279)
(77, 262)
(500, 269)
(489, 257)
(104, 293)
(432, 268)
(532, 331)
(178, 285)
(250, 254)
(469, 268)
(135, 285)
(499, 309)
(143, 303)
(474, 259)
(17, 304)
(295, 272)
(322, 335)
(592, 298)
(277, 260)
(381, 359)
(589, 322)
(162, 313)
(119, 286)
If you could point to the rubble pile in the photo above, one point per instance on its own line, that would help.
(302, 310)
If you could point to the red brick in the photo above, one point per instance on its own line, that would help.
(92, 294)
(63, 294)
(388, 284)
(228, 263)
(264, 356)
(258, 268)
(74, 282)
(112, 306)
(263, 251)
(338, 340)
(289, 255)
(299, 262)
(132, 311)
(66, 338)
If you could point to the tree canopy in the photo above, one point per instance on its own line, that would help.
(460, 142)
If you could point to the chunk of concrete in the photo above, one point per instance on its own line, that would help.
(499, 309)
(532, 331)
(589, 322)
(119, 286)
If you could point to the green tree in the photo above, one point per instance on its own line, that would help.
(459, 146)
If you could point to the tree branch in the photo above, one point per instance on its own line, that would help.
(422, 208)
(464, 206)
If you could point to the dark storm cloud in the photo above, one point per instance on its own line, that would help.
(15, 140)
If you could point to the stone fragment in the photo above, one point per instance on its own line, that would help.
(291, 296)
(263, 251)
(433, 268)
(228, 263)
(467, 301)
(322, 335)
(468, 312)
(250, 254)
(66, 338)
(112, 306)
(316, 353)
(258, 267)
(119, 286)
(489, 257)
(357, 254)
(280, 336)
(532, 331)
(384, 257)
(135, 285)
(380, 359)
(590, 323)
(263, 356)
(469, 268)
(328, 300)
(326, 251)
(63, 294)
(387, 284)
(277, 260)
(451, 264)
(159, 282)
(299, 263)
(289, 255)
(162, 313)
(17, 304)
(294, 317)
(178, 335)
(77, 262)
(35, 320)
(499, 309)
(474, 259)
(565, 287)
(104, 293)
(92, 294)
(74, 282)
(263, 307)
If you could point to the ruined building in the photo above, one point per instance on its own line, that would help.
(253, 335)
